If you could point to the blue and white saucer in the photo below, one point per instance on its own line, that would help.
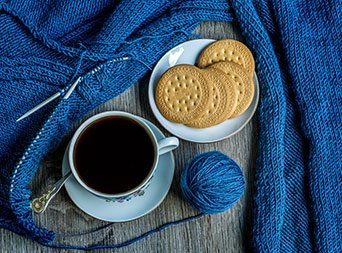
(128, 210)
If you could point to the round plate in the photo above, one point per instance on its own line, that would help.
(188, 52)
(130, 210)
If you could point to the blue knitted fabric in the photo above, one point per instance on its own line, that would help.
(45, 45)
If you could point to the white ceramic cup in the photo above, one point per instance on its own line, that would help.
(160, 147)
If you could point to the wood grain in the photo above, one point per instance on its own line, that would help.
(226, 232)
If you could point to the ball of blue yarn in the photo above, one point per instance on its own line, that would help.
(212, 182)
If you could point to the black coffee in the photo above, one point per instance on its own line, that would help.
(113, 155)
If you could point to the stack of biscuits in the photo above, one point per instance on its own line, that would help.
(220, 87)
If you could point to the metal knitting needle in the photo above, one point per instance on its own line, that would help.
(50, 99)
(36, 108)
(70, 90)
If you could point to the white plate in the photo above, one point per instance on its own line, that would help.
(188, 52)
(136, 207)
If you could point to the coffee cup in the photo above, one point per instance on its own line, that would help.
(115, 154)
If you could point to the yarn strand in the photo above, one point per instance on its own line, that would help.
(126, 243)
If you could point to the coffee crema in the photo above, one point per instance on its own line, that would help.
(114, 155)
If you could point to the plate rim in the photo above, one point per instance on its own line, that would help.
(154, 107)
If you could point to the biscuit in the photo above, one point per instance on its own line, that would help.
(244, 84)
(224, 100)
(227, 50)
(182, 93)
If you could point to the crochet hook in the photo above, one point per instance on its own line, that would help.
(38, 205)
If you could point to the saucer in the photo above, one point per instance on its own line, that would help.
(128, 210)
(188, 52)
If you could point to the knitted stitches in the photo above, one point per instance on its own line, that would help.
(298, 200)
(46, 45)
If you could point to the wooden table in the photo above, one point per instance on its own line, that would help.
(226, 232)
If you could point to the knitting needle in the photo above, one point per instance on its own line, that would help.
(53, 97)
(36, 108)
(70, 90)
(72, 87)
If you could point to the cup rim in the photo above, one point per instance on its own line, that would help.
(87, 123)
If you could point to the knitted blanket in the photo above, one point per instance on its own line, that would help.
(45, 45)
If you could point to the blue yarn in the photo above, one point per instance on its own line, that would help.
(212, 182)
(126, 243)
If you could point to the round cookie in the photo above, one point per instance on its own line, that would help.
(206, 120)
(224, 100)
(227, 50)
(244, 84)
(182, 93)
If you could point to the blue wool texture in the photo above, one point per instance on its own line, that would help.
(45, 45)
(212, 182)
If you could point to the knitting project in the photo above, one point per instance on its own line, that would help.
(46, 45)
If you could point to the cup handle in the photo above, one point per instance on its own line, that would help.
(167, 144)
